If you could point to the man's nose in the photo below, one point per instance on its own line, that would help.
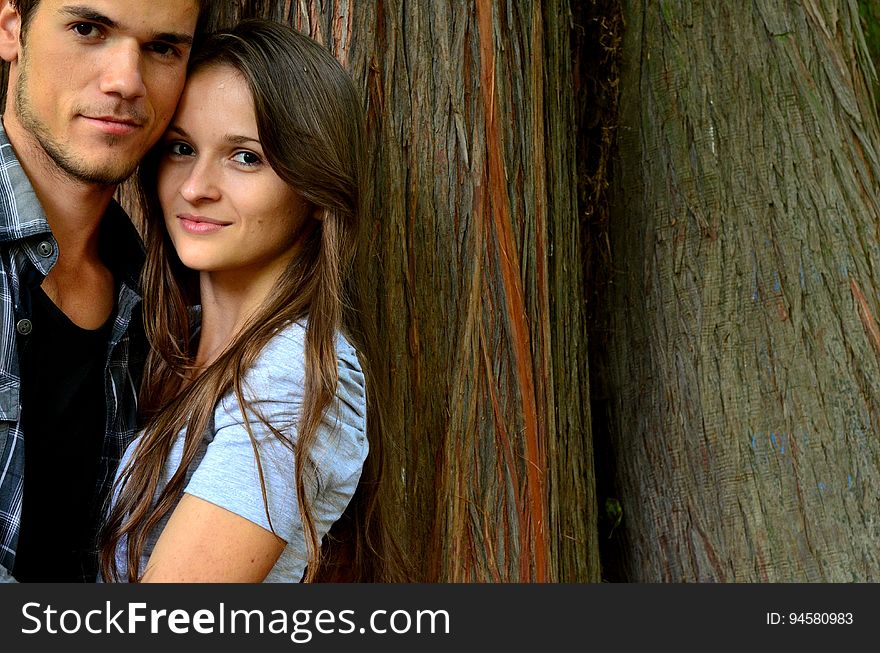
(122, 74)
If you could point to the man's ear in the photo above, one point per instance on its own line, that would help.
(10, 30)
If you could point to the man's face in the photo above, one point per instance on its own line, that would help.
(95, 82)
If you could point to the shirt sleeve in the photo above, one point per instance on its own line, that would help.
(229, 476)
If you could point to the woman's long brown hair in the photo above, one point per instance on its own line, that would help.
(310, 125)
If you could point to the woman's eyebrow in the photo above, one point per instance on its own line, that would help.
(180, 131)
(232, 139)
(235, 139)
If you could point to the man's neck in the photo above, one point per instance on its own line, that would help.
(79, 283)
(73, 207)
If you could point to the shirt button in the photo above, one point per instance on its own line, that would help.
(45, 249)
(24, 327)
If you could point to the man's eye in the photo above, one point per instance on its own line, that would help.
(163, 49)
(85, 29)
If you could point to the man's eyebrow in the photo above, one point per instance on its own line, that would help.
(174, 38)
(87, 13)
(83, 12)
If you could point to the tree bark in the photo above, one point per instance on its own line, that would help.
(475, 267)
(475, 260)
(744, 348)
(869, 11)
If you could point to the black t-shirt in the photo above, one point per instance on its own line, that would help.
(63, 413)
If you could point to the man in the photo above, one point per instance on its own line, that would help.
(92, 85)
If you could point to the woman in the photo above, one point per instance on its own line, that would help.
(254, 401)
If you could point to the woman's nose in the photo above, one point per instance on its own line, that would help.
(200, 184)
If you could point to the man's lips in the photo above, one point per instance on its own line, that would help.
(200, 224)
(115, 125)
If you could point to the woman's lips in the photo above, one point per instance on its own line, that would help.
(199, 224)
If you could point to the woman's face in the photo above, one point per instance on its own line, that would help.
(225, 208)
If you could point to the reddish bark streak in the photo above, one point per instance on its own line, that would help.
(711, 556)
(541, 256)
(532, 538)
(868, 320)
(314, 26)
(762, 563)
(341, 45)
(501, 432)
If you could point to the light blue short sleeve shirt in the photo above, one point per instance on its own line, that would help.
(226, 473)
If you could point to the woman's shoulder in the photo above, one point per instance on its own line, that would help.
(278, 375)
(274, 387)
(284, 354)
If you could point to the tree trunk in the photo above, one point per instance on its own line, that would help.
(744, 348)
(476, 264)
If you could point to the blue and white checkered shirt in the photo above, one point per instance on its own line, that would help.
(27, 253)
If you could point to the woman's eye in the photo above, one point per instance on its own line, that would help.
(247, 158)
(180, 149)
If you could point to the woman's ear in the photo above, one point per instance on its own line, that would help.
(10, 32)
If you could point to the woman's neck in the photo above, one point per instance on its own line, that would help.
(227, 305)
